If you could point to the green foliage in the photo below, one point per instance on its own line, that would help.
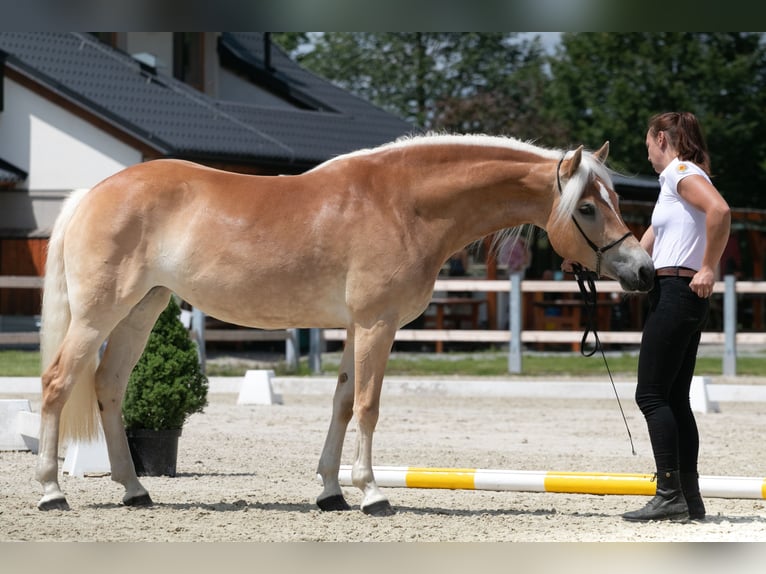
(167, 385)
(606, 86)
(17, 363)
(598, 86)
(468, 82)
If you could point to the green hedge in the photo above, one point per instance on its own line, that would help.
(167, 385)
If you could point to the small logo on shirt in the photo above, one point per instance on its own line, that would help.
(682, 167)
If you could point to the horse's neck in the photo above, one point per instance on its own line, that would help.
(472, 195)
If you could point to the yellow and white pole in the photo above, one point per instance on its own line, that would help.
(551, 481)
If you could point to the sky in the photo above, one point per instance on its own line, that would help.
(549, 40)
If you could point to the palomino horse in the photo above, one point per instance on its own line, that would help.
(356, 242)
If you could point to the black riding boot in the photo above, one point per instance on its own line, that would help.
(691, 488)
(667, 504)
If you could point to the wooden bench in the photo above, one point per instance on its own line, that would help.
(455, 313)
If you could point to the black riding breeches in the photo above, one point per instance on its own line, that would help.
(666, 363)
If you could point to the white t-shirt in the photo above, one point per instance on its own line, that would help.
(680, 233)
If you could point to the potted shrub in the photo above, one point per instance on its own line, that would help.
(165, 388)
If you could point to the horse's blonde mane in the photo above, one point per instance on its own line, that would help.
(435, 138)
(570, 194)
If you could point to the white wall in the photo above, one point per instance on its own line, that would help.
(58, 150)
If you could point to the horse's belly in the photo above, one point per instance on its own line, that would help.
(270, 308)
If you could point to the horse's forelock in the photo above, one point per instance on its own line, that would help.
(589, 168)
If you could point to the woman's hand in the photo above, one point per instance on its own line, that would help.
(702, 282)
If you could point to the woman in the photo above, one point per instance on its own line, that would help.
(688, 233)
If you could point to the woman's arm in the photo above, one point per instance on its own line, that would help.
(647, 240)
(700, 193)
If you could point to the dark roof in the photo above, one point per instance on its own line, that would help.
(637, 188)
(177, 120)
(9, 174)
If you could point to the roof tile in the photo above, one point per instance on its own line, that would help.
(180, 121)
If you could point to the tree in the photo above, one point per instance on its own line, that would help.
(467, 82)
(598, 86)
(605, 86)
(512, 105)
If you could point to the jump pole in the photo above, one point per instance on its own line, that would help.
(550, 481)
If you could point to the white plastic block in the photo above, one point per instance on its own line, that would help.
(28, 426)
(87, 458)
(257, 389)
(698, 396)
(186, 318)
(10, 439)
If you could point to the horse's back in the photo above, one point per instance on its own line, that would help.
(244, 248)
(309, 250)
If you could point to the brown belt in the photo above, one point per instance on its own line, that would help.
(675, 272)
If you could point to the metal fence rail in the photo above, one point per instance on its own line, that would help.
(515, 336)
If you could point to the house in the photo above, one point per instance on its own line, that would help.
(77, 107)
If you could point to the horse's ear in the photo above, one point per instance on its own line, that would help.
(602, 153)
(574, 161)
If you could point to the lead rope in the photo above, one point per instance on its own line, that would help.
(586, 282)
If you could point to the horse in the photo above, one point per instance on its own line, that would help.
(356, 242)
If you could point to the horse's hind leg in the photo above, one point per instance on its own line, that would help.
(126, 343)
(74, 361)
(331, 497)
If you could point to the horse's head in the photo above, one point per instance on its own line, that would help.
(585, 224)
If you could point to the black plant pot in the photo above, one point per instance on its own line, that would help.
(154, 452)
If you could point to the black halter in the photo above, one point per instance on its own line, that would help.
(598, 250)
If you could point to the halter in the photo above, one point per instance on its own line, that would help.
(598, 250)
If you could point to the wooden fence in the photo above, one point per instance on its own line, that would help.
(729, 337)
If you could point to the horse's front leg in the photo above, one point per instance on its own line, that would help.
(331, 497)
(373, 346)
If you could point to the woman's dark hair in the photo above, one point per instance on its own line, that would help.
(685, 134)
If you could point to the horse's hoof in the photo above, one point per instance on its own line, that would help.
(59, 503)
(379, 508)
(142, 500)
(333, 503)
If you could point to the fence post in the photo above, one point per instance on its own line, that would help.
(730, 326)
(315, 351)
(198, 329)
(514, 321)
(292, 349)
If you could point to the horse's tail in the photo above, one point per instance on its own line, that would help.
(79, 419)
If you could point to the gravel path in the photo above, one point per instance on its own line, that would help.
(246, 473)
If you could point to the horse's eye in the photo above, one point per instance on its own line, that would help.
(587, 209)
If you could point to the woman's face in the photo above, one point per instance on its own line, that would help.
(654, 148)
